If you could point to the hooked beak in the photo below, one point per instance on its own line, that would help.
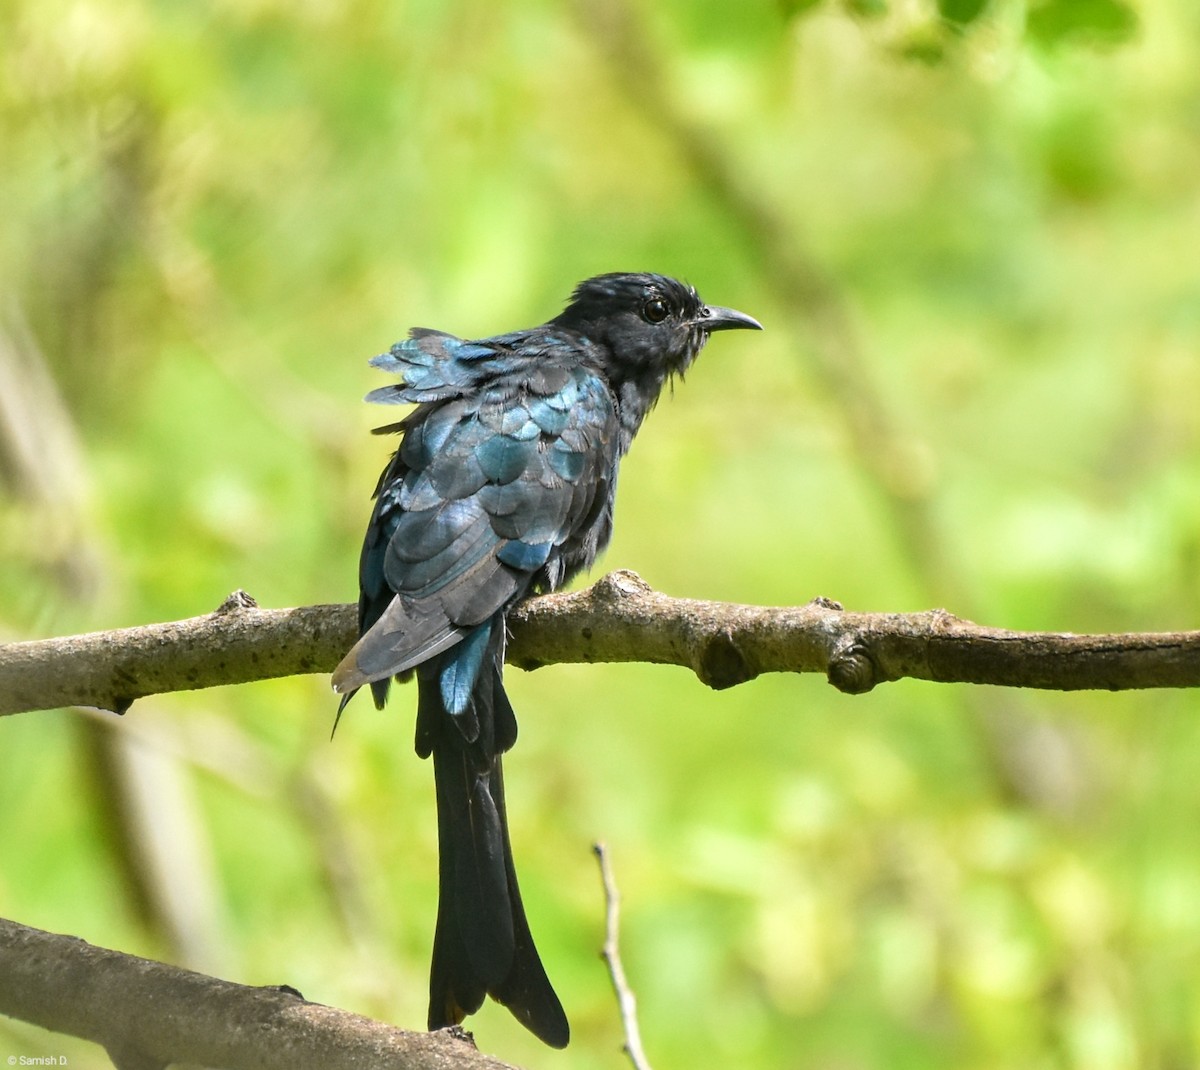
(715, 318)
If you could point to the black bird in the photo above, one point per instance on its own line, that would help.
(502, 487)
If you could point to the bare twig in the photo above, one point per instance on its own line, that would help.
(147, 1015)
(611, 953)
(618, 619)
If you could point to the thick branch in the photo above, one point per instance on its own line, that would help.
(619, 619)
(148, 1014)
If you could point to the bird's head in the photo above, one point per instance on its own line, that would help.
(651, 326)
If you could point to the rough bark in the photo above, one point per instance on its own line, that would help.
(618, 619)
(148, 1015)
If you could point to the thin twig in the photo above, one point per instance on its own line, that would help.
(611, 952)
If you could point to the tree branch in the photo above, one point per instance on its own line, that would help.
(618, 619)
(148, 1015)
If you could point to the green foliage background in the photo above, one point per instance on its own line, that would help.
(971, 230)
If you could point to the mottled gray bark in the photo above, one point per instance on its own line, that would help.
(619, 619)
(148, 1015)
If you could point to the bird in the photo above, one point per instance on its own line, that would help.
(501, 488)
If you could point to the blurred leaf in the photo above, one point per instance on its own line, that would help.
(797, 8)
(1096, 22)
(1078, 158)
(961, 12)
(867, 9)
(922, 45)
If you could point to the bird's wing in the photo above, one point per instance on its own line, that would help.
(480, 499)
(549, 464)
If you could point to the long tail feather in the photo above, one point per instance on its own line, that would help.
(482, 943)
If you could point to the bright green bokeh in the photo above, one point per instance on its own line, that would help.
(216, 213)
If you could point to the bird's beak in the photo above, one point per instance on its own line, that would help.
(715, 318)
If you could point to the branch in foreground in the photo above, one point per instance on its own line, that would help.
(148, 1015)
(618, 619)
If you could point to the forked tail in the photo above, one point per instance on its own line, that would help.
(482, 944)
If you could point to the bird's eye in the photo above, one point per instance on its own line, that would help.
(655, 310)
